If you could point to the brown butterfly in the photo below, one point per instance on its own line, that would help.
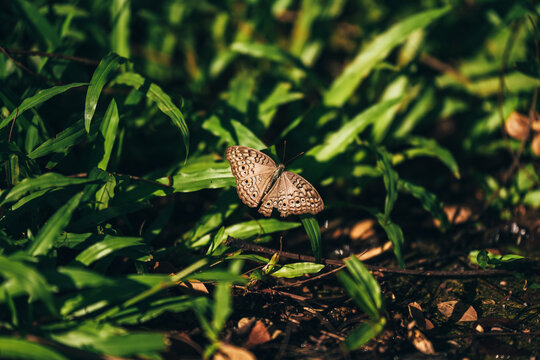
(258, 177)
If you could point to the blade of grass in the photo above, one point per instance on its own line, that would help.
(106, 67)
(37, 99)
(314, 234)
(163, 101)
(44, 240)
(343, 87)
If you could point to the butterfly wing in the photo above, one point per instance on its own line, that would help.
(292, 194)
(253, 172)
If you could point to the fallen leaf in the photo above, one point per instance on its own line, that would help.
(362, 230)
(230, 352)
(259, 335)
(195, 285)
(420, 342)
(417, 314)
(457, 310)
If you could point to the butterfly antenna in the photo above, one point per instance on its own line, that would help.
(284, 148)
(294, 158)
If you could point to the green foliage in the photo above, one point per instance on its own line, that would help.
(113, 133)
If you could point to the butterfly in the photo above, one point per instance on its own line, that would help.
(260, 181)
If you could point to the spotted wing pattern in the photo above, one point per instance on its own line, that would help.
(253, 172)
(291, 194)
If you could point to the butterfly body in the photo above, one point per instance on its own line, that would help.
(260, 181)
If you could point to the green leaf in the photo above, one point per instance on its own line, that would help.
(11, 348)
(20, 276)
(364, 333)
(135, 315)
(63, 140)
(390, 178)
(108, 65)
(120, 34)
(259, 227)
(108, 129)
(363, 288)
(43, 29)
(314, 234)
(39, 98)
(344, 86)
(297, 269)
(428, 147)
(217, 176)
(105, 247)
(46, 237)
(222, 305)
(337, 142)
(131, 344)
(268, 52)
(395, 234)
(40, 183)
(429, 201)
(111, 212)
(163, 101)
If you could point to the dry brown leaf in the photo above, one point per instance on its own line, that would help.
(517, 125)
(259, 335)
(469, 315)
(420, 342)
(195, 285)
(447, 307)
(535, 144)
(363, 230)
(417, 314)
(230, 352)
(450, 210)
(457, 310)
(371, 253)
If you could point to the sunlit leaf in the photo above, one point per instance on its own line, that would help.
(297, 269)
(102, 74)
(343, 87)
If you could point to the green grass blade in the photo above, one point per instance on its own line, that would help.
(430, 202)
(103, 248)
(343, 87)
(429, 147)
(25, 278)
(121, 15)
(37, 99)
(46, 237)
(395, 234)
(390, 178)
(268, 52)
(360, 287)
(106, 67)
(163, 101)
(11, 348)
(362, 275)
(337, 142)
(364, 333)
(40, 183)
(217, 176)
(109, 213)
(314, 234)
(108, 129)
(41, 25)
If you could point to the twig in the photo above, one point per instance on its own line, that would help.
(131, 177)
(55, 56)
(240, 244)
(24, 68)
(489, 334)
(438, 65)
